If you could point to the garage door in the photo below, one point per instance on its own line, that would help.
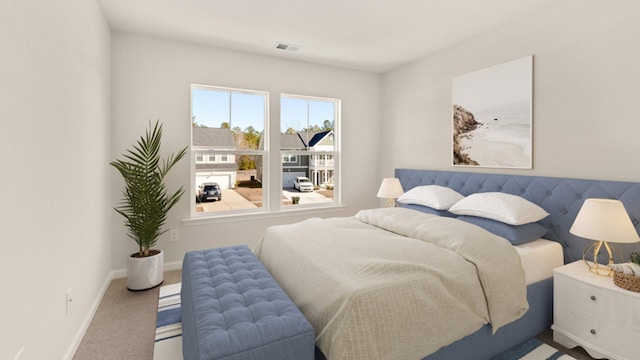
(289, 177)
(223, 180)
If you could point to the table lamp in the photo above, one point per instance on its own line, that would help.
(605, 221)
(390, 189)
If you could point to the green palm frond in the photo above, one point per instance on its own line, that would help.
(145, 201)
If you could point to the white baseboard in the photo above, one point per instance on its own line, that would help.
(122, 273)
(176, 265)
(73, 347)
(119, 274)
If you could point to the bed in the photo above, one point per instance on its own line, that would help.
(482, 319)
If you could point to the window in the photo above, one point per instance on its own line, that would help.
(230, 147)
(308, 136)
(288, 158)
(226, 138)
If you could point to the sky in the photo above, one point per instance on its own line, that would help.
(211, 108)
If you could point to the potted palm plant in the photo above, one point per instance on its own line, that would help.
(145, 205)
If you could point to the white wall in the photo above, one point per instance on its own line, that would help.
(151, 80)
(54, 149)
(586, 115)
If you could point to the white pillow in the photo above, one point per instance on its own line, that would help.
(507, 208)
(433, 196)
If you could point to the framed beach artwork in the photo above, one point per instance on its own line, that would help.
(492, 116)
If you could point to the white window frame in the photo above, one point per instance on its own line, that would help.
(335, 153)
(225, 152)
(271, 204)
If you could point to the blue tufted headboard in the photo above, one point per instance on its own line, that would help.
(562, 198)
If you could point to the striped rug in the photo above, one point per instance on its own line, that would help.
(533, 349)
(168, 342)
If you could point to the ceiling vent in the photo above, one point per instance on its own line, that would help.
(287, 47)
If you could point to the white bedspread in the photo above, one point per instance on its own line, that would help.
(396, 294)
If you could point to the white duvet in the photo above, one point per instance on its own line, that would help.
(399, 293)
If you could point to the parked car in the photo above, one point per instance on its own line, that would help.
(302, 183)
(209, 191)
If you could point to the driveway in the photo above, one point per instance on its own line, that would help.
(311, 197)
(231, 200)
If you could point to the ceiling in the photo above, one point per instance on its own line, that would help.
(371, 35)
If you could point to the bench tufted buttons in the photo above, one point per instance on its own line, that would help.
(231, 294)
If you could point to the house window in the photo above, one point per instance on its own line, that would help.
(227, 126)
(309, 132)
(287, 158)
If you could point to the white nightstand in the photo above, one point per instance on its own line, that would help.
(589, 310)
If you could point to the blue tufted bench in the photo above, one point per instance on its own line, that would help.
(233, 309)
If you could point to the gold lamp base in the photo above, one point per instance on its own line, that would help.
(593, 265)
(391, 202)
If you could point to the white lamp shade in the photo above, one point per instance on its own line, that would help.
(604, 220)
(390, 188)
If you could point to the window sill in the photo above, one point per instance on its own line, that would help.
(224, 218)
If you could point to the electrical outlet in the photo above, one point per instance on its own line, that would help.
(68, 300)
(174, 235)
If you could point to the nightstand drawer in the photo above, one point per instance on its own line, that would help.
(614, 343)
(584, 296)
(584, 326)
(598, 333)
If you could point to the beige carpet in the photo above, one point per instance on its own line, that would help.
(125, 323)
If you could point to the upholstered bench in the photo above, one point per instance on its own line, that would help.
(233, 309)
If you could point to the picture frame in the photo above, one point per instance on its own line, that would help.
(492, 116)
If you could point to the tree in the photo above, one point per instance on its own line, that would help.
(252, 138)
(248, 139)
(194, 123)
(327, 125)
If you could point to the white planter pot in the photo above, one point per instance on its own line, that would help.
(146, 272)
